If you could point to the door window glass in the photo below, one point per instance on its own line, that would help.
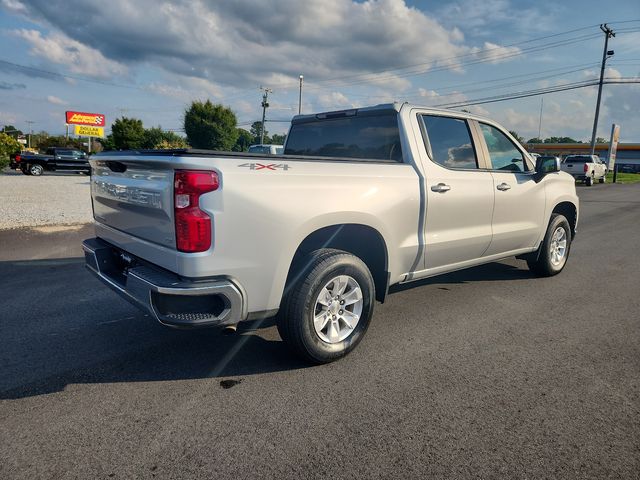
(450, 140)
(503, 153)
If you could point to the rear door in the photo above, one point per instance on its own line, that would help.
(519, 206)
(65, 159)
(460, 193)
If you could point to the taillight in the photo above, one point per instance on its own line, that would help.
(586, 167)
(18, 158)
(193, 226)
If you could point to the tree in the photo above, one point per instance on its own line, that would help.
(59, 141)
(245, 139)
(8, 146)
(560, 140)
(256, 130)
(156, 138)
(210, 126)
(11, 131)
(534, 140)
(516, 136)
(128, 133)
(278, 139)
(601, 140)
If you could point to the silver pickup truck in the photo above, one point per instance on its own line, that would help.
(361, 200)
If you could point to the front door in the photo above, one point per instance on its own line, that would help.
(518, 212)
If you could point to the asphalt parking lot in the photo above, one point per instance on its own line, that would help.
(485, 373)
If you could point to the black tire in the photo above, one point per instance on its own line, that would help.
(296, 316)
(36, 169)
(541, 264)
(588, 181)
(603, 179)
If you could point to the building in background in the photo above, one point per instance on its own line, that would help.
(627, 156)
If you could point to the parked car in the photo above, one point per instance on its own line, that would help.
(361, 200)
(54, 159)
(267, 149)
(585, 168)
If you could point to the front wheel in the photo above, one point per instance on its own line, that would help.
(327, 307)
(588, 181)
(603, 179)
(554, 250)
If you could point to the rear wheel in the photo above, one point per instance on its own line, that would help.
(36, 170)
(554, 250)
(327, 309)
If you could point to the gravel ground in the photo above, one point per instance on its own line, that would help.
(52, 199)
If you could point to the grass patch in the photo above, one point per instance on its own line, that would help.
(624, 177)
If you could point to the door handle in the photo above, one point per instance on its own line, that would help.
(440, 188)
(503, 186)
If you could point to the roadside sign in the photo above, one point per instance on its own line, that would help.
(613, 147)
(84, 118)
(84, 131)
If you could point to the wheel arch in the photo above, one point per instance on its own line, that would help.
(363, 241)
(570, 212)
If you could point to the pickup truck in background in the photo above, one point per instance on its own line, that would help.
(585, 168)
(361, 200)
(268, 149)
(54, 159)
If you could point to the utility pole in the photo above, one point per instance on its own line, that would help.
(540, 122)
(300, 96)
(608, 33)
(30, 122)
(265, 105)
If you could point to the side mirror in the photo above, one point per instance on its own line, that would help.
(545, 166)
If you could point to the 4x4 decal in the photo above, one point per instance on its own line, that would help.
(268, 166)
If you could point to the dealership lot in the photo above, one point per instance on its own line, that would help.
(488, 372)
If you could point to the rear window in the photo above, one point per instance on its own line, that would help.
(374, 137)
(578, 159)
(259, 150)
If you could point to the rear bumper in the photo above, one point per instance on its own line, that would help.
(172, 300)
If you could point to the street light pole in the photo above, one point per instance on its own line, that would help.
(265, 105)
(608, 33)
(300, 95)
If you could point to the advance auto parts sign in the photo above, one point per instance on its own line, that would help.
(84, 118)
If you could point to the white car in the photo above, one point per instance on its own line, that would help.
(361, 200)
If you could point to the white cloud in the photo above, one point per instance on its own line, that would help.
(494, 53)
(77, 57)
(56, 101)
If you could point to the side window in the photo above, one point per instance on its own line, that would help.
(503, 153)
(450, 141)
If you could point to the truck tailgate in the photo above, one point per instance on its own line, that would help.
(135, 196)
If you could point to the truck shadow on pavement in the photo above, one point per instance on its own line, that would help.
(60, 326)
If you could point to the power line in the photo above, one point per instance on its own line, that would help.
(540, 91)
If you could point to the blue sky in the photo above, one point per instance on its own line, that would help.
(149, 59)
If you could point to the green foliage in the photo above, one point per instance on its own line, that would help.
(278, 139)
(42, 142)
(256, 129)
(8, 146)
(107, 142)
(11, 131)
(516, 136)
(561, 140)
(156, 138)
(601, 140)
(128, 133)
(534, 140)
(210, 126)
(245, 139)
